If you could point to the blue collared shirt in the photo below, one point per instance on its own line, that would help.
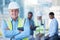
(31, 23)
(9, 33)
(53, 27)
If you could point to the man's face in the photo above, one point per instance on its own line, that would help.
(14, 13)
(39, 17)
(51, 16)
(29, 16)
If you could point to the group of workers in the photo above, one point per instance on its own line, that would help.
(17, 28)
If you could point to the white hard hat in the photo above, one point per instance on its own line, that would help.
(13, 5)
(39, 14)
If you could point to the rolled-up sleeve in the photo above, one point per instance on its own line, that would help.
(6, 33)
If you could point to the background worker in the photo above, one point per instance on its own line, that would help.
(10, 27)
(32, 25)
(39, 32)
(53, 28)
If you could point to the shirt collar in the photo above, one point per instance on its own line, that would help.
(53, 18)
(12, 19)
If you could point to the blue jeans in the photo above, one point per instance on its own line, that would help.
(55, 37)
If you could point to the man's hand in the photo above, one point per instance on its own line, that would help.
(47, 36)
(7, 28)
(32, 28)
(41, 34)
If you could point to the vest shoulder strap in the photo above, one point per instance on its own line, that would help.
(20, 23)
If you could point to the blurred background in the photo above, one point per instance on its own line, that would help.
(35, 6)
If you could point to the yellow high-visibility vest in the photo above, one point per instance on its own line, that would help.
(40, 28)
(25, 39)
(20, 24)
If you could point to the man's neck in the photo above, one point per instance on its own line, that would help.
(53, 17)
(15, 19)
(29, 18)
